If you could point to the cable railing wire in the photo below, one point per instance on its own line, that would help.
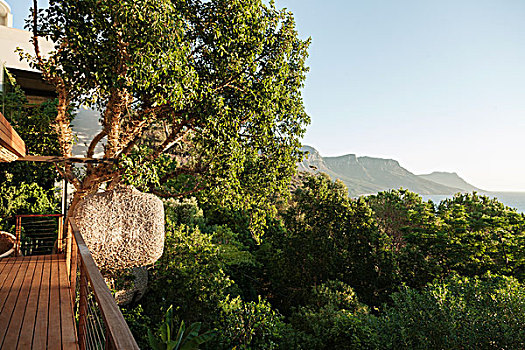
(39, 234)
(99, 320)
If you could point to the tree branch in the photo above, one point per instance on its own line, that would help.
(172, 138)
(162, 194)
(94, 143)
(35, 34)
(116, 103)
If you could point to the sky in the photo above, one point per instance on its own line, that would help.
(438, 85)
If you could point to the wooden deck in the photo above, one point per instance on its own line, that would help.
(35, 304)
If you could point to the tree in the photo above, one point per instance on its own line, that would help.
(333, 319)
(326, 236)
(411, 234)
(248, 325)
(218, 80)
(468, 234)
(482, 235)
(457, 313)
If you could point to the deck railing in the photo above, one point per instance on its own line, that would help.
(100, 324)
(43, 234)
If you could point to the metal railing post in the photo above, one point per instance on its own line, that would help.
(18, 231)
(60, 237)
(82, 309)
(73, 269)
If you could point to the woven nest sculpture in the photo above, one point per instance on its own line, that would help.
(122, 228)
(7, 244)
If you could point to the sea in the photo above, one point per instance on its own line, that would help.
(514, 200)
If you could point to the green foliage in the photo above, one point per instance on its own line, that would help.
(184, 339)
(460, 313)
(400, 213)
(194, 275)
(326, 236)
(33, 124)
(183, 211)
(334, 319)
(221, 80)
(329, 329)
(248, 325)
(331, 259)
(23, 198)
(234, 256)
(137, 171)
(335, 295)
(409, 229)
(189, 275)
(139, 323)
(482, 235)
(468, 234)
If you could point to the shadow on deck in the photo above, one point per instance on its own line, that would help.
(59, 301)
(35, 304)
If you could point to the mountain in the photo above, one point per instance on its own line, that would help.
(451, 180)
(366, 175)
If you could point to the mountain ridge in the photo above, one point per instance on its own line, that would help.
(450, 179)
(368, 175)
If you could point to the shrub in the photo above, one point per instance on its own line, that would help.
(248, 325)
(461, 313)
(334, 319)
(23, 198)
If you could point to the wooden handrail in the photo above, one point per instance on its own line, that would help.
(118, 334)
(37, 215)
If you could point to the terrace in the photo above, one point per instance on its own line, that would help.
(41, 294)
(52, 295)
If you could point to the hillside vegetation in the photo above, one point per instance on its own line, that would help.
(386, 271)
(202, 106)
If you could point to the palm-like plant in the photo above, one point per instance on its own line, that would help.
(184, 339)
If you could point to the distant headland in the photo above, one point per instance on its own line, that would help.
(367, 175)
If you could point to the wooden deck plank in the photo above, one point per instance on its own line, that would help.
(8, 265)
(12, 335)
(69, 338)
(7, 311)
(8, 283)
(4, 263)
(41, 321)
(9, 278)
(37, 312)
(28, 326)
(54, 332)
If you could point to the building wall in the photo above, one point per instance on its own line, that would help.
(6, 18)
(10, 40)
(86, 123)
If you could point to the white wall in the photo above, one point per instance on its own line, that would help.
(85, 125)
(10, 40)
(6, 18)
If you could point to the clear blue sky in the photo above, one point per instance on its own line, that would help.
(20, 10)
(435, 84)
